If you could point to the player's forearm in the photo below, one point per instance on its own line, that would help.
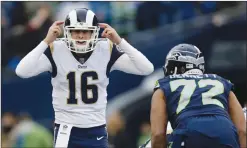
(242, 134)
(29, 64)
(158, 141)
(142, 64)
(242, 138)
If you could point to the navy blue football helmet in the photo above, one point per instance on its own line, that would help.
(182, 58)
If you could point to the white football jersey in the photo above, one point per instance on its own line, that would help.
(79, 90)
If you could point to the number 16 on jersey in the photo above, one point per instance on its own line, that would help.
(85, 88)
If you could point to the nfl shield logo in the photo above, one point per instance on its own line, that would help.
(65, 127)
(82, 60)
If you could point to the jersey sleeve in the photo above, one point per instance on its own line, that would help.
(48, 53)
(34, 63)
(132, 61)
(162, 84)
(228, 85)
(156, 85)
(231, 85)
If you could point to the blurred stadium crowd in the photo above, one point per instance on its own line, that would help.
(25, 24)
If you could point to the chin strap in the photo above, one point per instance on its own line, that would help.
(175, 71)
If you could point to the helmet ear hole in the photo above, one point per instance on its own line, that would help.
(182, 70)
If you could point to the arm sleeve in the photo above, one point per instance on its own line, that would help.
(34, 63)
(132, 61)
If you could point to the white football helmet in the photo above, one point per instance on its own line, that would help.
(81, 19)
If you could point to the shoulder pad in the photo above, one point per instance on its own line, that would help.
(102, 39)
(106, 44)
(226, 81)
(58, 42)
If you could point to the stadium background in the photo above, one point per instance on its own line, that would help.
(217, 28)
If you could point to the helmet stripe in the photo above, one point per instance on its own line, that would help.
(89, 18)
(73, 17)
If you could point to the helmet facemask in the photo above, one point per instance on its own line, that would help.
(89, 43)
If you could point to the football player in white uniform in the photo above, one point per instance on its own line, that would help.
(80, 65)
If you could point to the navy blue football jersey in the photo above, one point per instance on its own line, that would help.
(195, 95)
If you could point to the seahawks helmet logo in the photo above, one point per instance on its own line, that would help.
(175, 55)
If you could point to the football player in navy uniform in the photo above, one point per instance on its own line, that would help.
(202, 108)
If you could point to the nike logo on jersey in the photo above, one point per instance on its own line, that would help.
(81, 60)
(100, 138)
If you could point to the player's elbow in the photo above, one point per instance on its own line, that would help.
(158, 138)
(148, 69)
(159, 135)
(242, 132)
(242, 137)
(20, 73)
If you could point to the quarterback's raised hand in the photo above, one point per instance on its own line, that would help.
(110, 33)
(54, 32)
